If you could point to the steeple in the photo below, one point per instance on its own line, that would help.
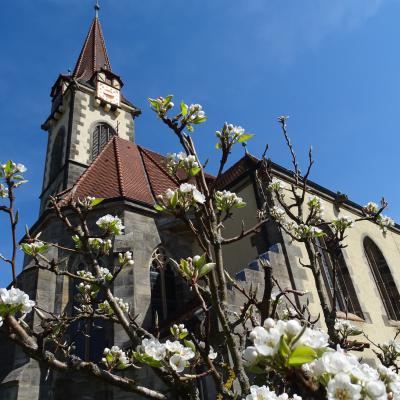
(93, 56)
(87, 110)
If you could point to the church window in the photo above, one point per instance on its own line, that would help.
(101, 135)
(90, 336)
(56, 158)
(383, 278)
(165, 285)
(336, 276)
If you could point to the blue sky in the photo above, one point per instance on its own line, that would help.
(332, 66)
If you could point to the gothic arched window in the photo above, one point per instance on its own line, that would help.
(56, 158)
(91, 335)
(102, 133)
(166, 288)
(383, 279)
(338, 284)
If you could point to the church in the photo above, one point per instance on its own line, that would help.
(92, 151)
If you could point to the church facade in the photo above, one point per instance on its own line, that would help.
(92, 152)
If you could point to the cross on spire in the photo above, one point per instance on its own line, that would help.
(97, 8)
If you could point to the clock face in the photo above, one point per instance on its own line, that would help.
(108, 93)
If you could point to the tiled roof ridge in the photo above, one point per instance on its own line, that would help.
(146, 174)
(80, 58)
(118, 162)
(94, 31)
(146, 151)
(103, 45)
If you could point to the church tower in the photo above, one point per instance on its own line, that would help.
(87, 109)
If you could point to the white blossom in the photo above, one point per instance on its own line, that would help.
(276, 185)
(115, 358)
(173, 347)
(212, 355)
(34, 248)
(342, 223)
(304, 231)
(264, 393)
(110, 224)
(225, 200)
(376, 390)
(3, 191)
(14, 300)
(261, 393)
(125, 258)
(154, 349)
(177, 363)
(250, 356)
(277, 213)
(371, 208)
(267, 342)
(385, 223)
(341, 388)
(188, 163)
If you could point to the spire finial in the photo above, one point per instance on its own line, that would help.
(97, 8)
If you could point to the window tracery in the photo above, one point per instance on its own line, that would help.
(383, 278)
(336, 277)
(165, 285)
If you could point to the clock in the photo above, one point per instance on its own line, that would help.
(108, 93)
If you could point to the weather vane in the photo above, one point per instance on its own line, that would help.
(97, 8)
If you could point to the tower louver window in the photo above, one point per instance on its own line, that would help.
(57, 154)
(383, 278)
(101, 135)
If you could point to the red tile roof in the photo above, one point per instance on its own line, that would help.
(124, 170)
(93, 55)
(246, 163)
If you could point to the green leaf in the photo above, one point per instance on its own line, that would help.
(284, 349)
(9, 167)
(218, 146)
(190, 344)
(205, 269)
(194, 171)
(200, 262)
(26, 249)
(190, 128)
(174, 200)
(184, 108)
(183, 335)
(199, 120)
(240, 205)
(159, 207)
(319, 234)
(154, 103)
(245, 137)
(302, 355)
(255, 369)
(145, 359)
(96, 202)
(167, 99)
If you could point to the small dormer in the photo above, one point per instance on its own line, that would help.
(57, 92)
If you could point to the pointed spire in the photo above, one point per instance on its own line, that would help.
(93, 55)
